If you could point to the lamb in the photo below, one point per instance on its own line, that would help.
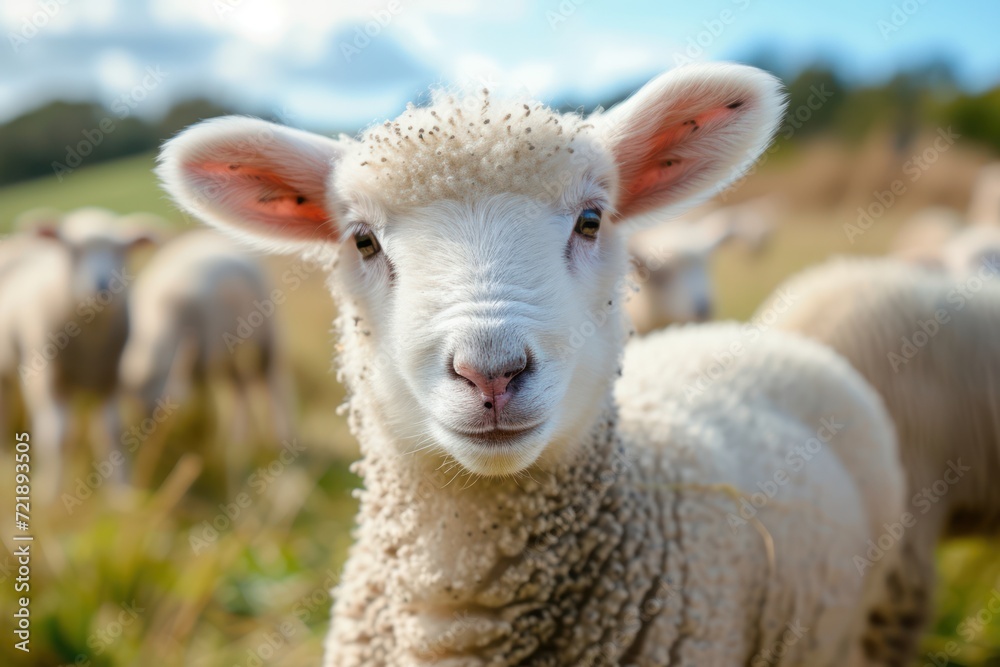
(984, 207)
(671, 271)
(975, 248)
(671, 263)
(937, 239)
(202, 311)
(922, 237)
(927, 342)
(520, 507)
(63, 323)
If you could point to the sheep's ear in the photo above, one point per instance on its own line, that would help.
(688, 133)
(261, 181)
(43, 222)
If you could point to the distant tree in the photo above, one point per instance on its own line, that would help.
(975, 117)
(59, 137)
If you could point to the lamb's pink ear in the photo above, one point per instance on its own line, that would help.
(256, 179)
(688, 133)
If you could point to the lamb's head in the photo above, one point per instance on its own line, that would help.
(483, 260)
(672, 265)
(98, 243)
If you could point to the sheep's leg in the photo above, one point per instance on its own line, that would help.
(109, 436)
(239, 418)
(49, 426)
(6, 437)
(276, 393)
(895, 624)
(5, 410)
(236, 446)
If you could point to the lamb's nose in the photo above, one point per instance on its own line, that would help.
(492, 384)
(703, 309)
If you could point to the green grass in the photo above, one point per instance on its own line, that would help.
(122, 185)
(219, 605)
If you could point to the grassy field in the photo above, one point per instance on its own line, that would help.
(175, 568)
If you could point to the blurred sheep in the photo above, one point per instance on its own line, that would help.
(671, 268)
(64, 321)
(936, 238)
(927, 342)
(671, 263)
(921, 238)
(973, 249)
(202, 314)
(984, 207)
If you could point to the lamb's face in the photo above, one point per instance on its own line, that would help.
(496, 321)
(671, 266)
(481, 265)
(675, 291)
(98, 244)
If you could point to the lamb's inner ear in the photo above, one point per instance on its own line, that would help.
(264, 194)
(687, 133)
(256, 179)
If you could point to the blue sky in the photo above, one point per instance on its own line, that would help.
(309, 63)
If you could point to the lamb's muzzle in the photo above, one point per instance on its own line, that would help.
(493, 383)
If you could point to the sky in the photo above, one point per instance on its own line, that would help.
(345, 64)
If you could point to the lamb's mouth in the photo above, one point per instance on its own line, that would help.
(497, 436)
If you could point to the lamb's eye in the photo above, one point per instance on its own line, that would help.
(367, 244)
(588, 223)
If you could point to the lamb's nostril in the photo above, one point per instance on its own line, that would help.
(492, 380)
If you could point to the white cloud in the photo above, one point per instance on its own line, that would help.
(116, 70)
(56, 16)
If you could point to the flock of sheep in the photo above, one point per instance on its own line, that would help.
(76, 324)
(542, 487)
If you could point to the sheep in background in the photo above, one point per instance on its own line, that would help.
(984, 206)
(751, 222)
(936, 239)
(202, 313)
(928, 343)
(672, 262)
(922, 237)
(64, 321)
(975, 248)
(479, 291)
(671, 270)
(14, 250)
